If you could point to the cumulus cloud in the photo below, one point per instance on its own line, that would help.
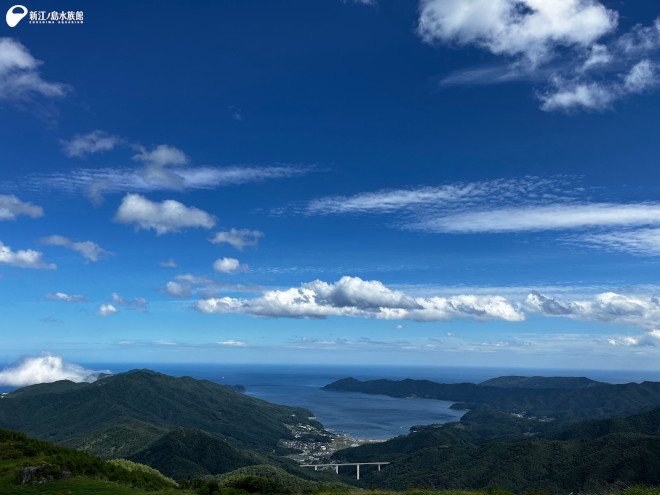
(45, 368)
(106, 310)
(229, 266)
(561, 43)
(638, 311)
(168, 264)
(89, 250)
(573, 94)
(138, 304)
(94, 142)
(165, 217)
(11, 207)
(62, 296)
(20, 80)
(23, 258)
(352, 296)
(531, 28)
(238, 238)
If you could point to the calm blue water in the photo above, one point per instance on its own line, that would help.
(359, 415)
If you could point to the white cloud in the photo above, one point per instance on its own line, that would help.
(641, 77)
(94, 142)
(157, 163)
(93, 182)
(183, 286)
(569, 95)
(447, 196)
(24, 258)
(237, 238)
(11, 207)
(352, 296)
(61, 296)
(19, 75)
(45, 369)
(229, 265)
(178, 290)
(550, 217)
(531, 28)
(87, 249)
(138, 304)
(639, 241)
(106, 310)
(168, 264)
(598, 55)
(165, 217)
(559, 42)
(638, 311)
(232, 343)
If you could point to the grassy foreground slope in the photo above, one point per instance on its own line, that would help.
(71, 471)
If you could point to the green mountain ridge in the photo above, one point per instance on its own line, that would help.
(587, 402)
(194, 453)
(120, 414)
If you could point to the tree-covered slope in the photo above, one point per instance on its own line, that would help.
(121, 414)
(485, 449)
(194, 453)
(560, 403)
(541, 382)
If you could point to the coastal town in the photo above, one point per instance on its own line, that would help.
(315, 445)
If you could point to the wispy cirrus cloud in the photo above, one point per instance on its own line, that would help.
(642, 242)
(522, 205)
(183, 286)
(138, 304)
(63, 296)
(447, 196)
(95, 182)
(546, 217)
(89, 250)
(570, 47)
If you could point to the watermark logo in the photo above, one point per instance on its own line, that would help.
(15, 14)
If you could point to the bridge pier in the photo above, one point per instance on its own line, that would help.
(335, 466)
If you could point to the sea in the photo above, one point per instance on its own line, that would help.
(362, 416)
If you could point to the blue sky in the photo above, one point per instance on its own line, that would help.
(444, 182)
